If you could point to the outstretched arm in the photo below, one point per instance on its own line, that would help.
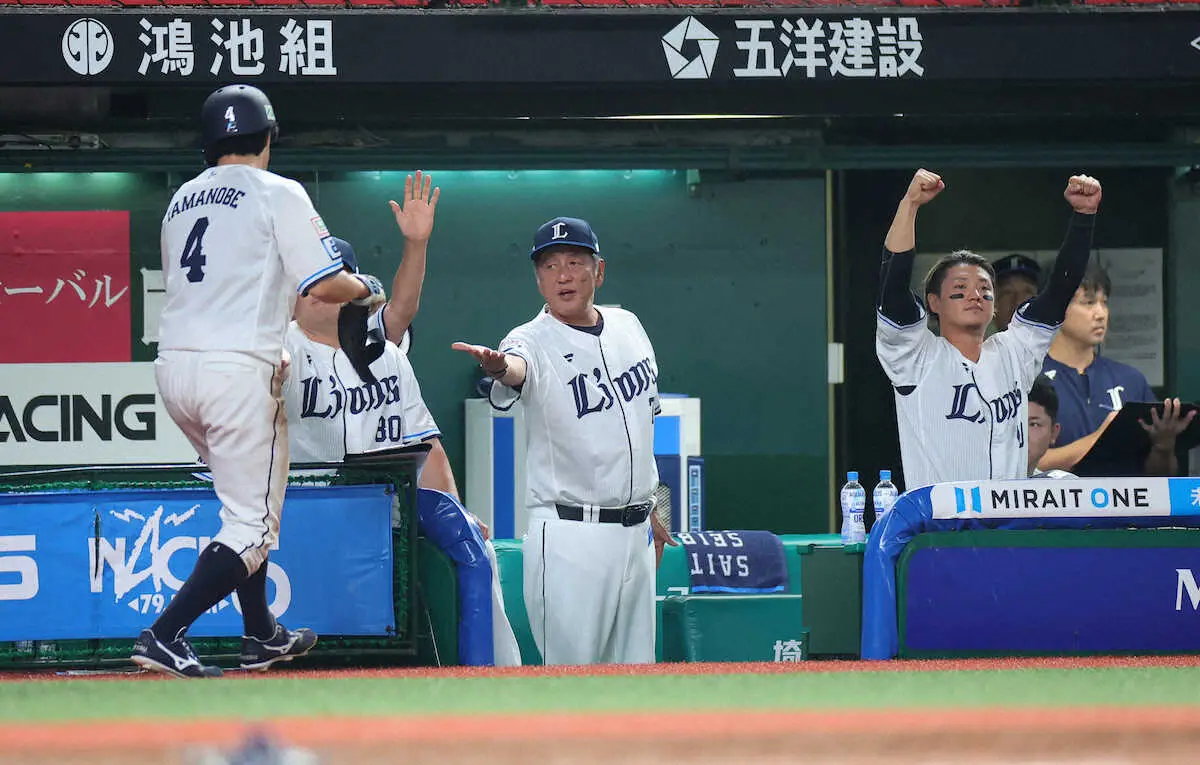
(341, 287)
(415, 219)
(506, 369)
(895, 272)
(1050, 306)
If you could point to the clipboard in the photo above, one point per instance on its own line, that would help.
(1125, 443)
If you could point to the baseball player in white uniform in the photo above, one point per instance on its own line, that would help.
(334, 412)
(588, 380)
(238, 244)
(961, 399)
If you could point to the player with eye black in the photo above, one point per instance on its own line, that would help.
(961, 396)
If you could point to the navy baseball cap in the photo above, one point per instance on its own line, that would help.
(568, 231)
(1018, 264)
(349, 258)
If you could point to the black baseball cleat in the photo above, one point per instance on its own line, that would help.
(284, 645)
(176, 658)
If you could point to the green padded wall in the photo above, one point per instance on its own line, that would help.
(728, 279)
(729, 283)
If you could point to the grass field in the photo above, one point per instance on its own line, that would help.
(1131, 710)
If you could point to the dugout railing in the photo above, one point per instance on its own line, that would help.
(1035, 567)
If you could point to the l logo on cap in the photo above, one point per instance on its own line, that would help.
(559, 231)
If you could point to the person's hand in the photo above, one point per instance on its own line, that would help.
(1165, 429)
(281, 373)
(414, 215)
(924, 187)
(662, 538)
(1083, 193)
(493, 362)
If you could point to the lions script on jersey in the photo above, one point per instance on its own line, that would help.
(944, 399)
(322, 387)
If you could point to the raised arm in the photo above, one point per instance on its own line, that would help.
(414, 217)
(895, 297)
(1050, 305)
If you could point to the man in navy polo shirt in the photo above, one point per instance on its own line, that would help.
(1092, 388)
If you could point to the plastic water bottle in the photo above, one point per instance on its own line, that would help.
(884, 495)
(854, 502)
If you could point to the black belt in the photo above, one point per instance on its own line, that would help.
(630, 515)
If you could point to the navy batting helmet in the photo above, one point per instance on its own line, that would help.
(236, 110)
(349, 257)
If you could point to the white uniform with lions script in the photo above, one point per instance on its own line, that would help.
(590, 399)
(334, 413)
(961, 420)
(238, 245)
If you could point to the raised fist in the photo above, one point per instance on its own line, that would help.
(1083, 193)
(924, 187)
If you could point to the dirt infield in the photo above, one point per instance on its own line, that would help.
(711, 668)
(1092, 735)
(1080, 735)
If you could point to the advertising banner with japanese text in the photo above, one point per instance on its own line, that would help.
(86, 414)
(105, 564)
(600, 47)
(64, 287)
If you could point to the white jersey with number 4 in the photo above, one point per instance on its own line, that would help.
(961, 420)
(238, 245)
(590, 402)
(331, 412)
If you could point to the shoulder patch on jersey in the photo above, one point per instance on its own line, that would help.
(331, 248)
(1050, 373)
(319, 227)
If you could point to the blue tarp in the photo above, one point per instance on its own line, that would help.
(913, 514)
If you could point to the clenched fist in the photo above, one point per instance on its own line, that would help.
(924, 187)
(1083, 193)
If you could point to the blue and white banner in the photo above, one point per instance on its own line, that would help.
(1066, 498)
(104, 564)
